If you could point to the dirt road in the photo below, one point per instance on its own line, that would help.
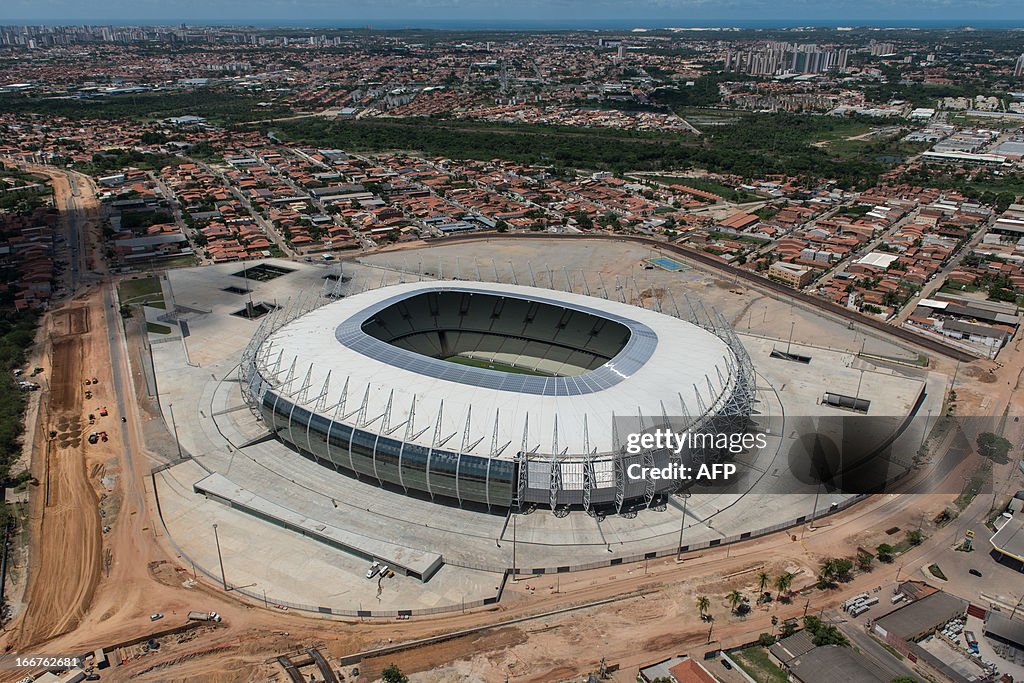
(66, 543)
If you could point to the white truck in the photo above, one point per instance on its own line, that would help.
(203, 616)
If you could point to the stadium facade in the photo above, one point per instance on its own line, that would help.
(493, 394)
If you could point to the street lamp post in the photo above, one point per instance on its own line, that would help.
(220, 558)
(514, 575)
(174, 426)
(682, 525)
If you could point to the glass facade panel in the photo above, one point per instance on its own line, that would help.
(443, 470)
(469, 478)
(387, 459)
(414, 467)
(502, 482)
(318, 428)
(362, 452)
(337, 444)
(473, 478)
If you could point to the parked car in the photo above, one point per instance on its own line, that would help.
(156, 616)
(974, 572)
(372, 571)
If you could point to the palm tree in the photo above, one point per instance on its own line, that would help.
(702, 605)
(782, 583)
(735, 599)
(762, 581)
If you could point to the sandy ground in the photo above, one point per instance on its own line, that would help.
(65, 564)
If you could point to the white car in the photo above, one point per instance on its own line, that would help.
(384, 572)
(372, 571)
(155, 616)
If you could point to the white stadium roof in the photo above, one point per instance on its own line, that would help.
(664, 363)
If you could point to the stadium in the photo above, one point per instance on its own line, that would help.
(493, 395)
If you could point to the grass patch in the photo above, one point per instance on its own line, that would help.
(724, 191)
(140, 287)
(219, 105)
(493, 365)
(157, 328)
(755, 661)
(873, 147)
(935, 571)
(137, 291)
(973, 487)
(183, 261)
(755, 145)
(846, 129)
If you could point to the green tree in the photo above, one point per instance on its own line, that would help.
(993, 446)
(824, 634)
(915, 537)
(735, 599)
(783, 582)
(703, 604)
(762, 581)
(835, 569)
(392, 674)
(885, 553)
(864, 559)
(904, 679)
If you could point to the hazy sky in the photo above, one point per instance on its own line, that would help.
(576, 12)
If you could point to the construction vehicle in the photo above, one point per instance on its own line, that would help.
(94, 437)
(103, 411)
(203, 616)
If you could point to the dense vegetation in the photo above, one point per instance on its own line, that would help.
(215, 104)
(756, 146)
(112, 160)
(17, 330)
(704, 91)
